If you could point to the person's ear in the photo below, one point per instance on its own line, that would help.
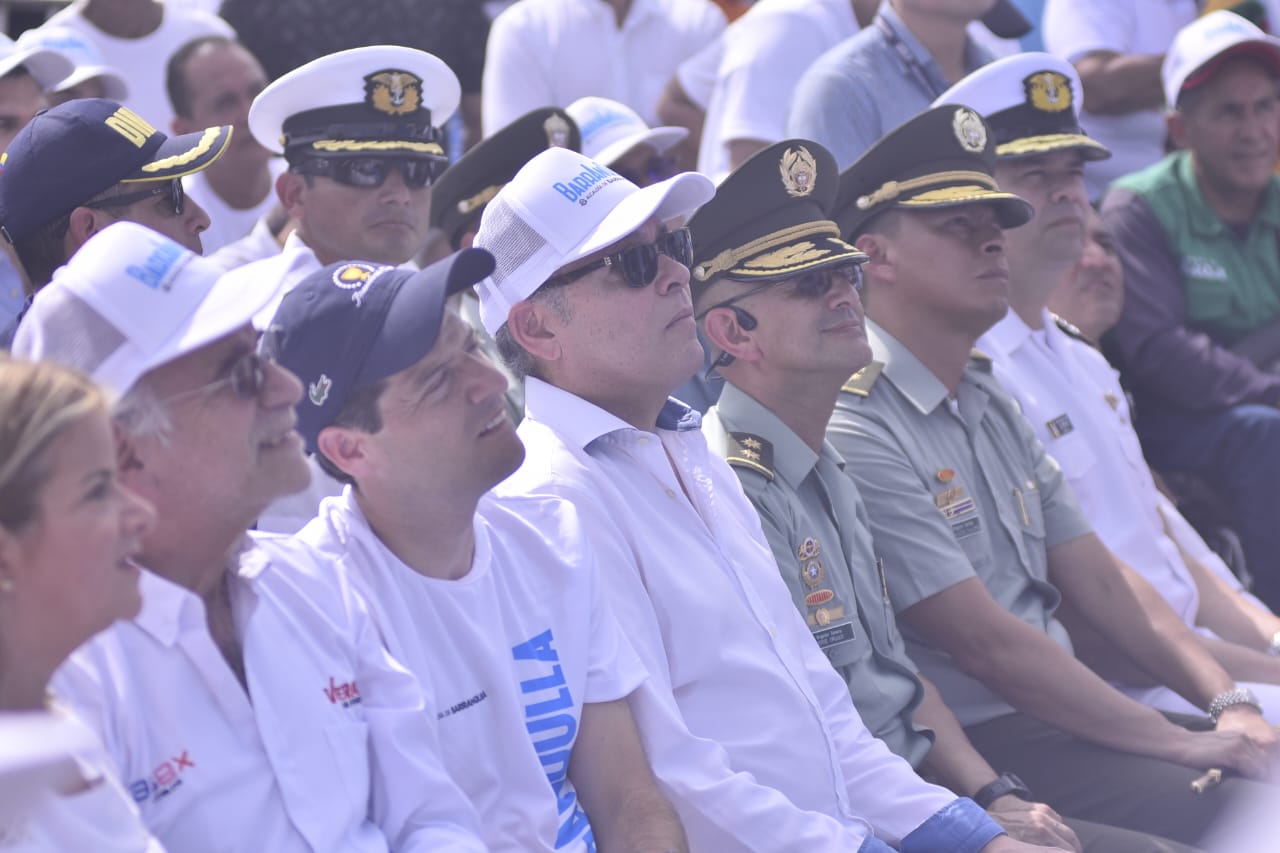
(345, 449)
(729, 328)
(534, 327)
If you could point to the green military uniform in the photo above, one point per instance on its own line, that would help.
(955, 490)
(817, 526)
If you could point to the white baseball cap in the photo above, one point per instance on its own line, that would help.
(131, 300)
(610, 129)
(366, 100)
(1200, 46)
(47, 66)
(87, 62)
(561, 207)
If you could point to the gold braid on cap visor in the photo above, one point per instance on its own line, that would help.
(730, 258)
(892, 189)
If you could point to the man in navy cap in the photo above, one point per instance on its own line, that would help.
(498, 604)
(78, 167)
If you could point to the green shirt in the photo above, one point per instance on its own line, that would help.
(816, 525)
(1231, 281)
(954, 490)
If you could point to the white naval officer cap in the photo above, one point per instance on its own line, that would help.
(367, 101)
(1204, 44)
(1031, 101)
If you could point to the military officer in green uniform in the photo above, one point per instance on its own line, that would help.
(980, 536)
(775, 290)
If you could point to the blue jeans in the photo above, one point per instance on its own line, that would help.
(1237, 451)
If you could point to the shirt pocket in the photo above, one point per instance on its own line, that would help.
(1209, 302)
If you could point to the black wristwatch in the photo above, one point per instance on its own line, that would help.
(1006, 783)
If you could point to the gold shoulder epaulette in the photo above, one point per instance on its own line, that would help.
(745, 450)
(980, 360)
(860, 383)
(1068, 329)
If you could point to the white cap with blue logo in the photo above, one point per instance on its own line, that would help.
(131, 300)
(610, 129)
(560, 208)
(1200, 46)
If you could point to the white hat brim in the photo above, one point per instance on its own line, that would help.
(48, 67)
(659, 138)
(674, 197)
(113, 85)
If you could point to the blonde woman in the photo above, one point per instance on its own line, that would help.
(68, 530)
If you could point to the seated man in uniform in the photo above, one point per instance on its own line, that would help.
(1066, 389)
(980, 536)
(250, 705)
(530, 668)
(590, 298)
(1199, 236)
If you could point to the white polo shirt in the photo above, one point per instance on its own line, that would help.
(336, 751)
(226, 223)
(765, 52)
(1073, 400)
(749, 729)
(1073, 28)
(549, 53)
(514, 649)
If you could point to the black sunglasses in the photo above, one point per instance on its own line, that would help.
(810, 285)
(177, 197)
(246, 379)
(372, 172)
(638, 264)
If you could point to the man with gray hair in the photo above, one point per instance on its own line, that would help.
(250, 705)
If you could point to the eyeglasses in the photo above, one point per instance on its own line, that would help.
(247, 377)
(177, 197)
(659, 167)
(638, 264)
(372, 172)
(810, 285)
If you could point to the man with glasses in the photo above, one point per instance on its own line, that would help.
(78, 167)
(251, 704)
(360, 132)
(751, 733)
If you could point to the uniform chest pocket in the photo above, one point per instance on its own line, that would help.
(1209, 301)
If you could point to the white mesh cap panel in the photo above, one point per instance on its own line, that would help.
(62, 327)
(515, 245)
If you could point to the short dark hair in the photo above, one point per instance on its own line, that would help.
(360, 411)
(176, 72)
(43, 251)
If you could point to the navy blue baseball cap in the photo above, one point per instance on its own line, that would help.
(68, 154)
(352, 324)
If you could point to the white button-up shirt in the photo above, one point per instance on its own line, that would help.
(551, 52)
(329, 749)
(737, 684)
(1074, 402)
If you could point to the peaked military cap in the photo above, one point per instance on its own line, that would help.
(468, 185)
(1031, 102)
(367, 101)
(941, 158)
(770, 219)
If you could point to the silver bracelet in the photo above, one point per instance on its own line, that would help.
(1273, 648)
(1229, 699)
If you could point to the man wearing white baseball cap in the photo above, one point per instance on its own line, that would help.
(90, 78)
(748, 728)
(1198, 233)
(360, 132)
(251, 704)
(614, 135)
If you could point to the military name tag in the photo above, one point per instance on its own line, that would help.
(967, 527)
(834, 636)
(1060, 426)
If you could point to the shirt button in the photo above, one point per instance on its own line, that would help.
(670, 493)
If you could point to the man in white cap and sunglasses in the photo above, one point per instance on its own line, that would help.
(749, 730)
(360, 132)
(251, 704)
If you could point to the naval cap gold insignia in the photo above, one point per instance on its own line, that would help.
(1048, 91)
(393, 92)
(970, 132)
(557, 131)
(799, 171)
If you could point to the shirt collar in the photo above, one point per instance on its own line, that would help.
(579, 423)
(975, 56)
(792, 458)
(907, 373)
(163, 602)
(1008, 335)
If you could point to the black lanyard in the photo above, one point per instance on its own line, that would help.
(907, 58)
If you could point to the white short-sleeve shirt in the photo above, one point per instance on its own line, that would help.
(514, 649)
(549, 53)
(336, 750)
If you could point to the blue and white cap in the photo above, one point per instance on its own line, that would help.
(1204, 44)
(561, 207)
(87, 62)
(611, 129)
(46, 65)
